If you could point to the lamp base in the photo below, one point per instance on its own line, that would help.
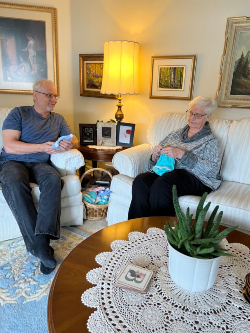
(119, 114)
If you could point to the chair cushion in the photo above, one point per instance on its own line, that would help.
(237, 157)
(233, 199)
(163, 124)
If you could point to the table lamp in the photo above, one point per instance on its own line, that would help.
(120, 71)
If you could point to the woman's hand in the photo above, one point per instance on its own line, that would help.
(173, 152)
(156, 153)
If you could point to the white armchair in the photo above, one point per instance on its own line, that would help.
(73, 210)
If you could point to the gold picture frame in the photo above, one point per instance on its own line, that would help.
(172, 77)
(91, 71)
(28, 47)
(234, 81)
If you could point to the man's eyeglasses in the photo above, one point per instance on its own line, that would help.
(50, 96)
(196, 115)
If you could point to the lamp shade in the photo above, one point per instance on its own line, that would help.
(120, 69)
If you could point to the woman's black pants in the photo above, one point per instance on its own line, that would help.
(152, 194)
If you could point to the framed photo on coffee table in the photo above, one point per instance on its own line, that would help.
(125, 134)
(87, 134)
(106, 134)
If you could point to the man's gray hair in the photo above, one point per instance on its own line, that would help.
(37, 84)
(204, 103)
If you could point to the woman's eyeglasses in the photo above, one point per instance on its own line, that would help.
(196, 115)
(50, 96)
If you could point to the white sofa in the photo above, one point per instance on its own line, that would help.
(233, 196)
(73, 211)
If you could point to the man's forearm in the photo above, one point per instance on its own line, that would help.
(20, 148)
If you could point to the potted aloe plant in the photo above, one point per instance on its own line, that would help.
(195, 250)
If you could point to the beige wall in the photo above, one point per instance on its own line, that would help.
(65, 103)
(162, 27)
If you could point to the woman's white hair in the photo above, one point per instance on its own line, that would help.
(37, 84)
(204, 103)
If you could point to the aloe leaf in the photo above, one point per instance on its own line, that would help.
(200, 205)
(173, 232)
(205, 240)
(170, 237)
(215, 227)
(222, 254)
(181, 242)
(210, 221)
(200, 221)
(207, 250)
(180, 215)
(188, 220)
(225, 232)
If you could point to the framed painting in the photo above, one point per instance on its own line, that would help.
(87, 134)
(106, 134)
(172, 77)
(125, 134)
(28, 47)
(234, 81)
(91, 74)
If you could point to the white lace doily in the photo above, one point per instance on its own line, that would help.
(165, 307)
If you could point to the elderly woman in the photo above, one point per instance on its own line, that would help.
(196, 170)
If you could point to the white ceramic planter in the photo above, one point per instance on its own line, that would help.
(192, 274)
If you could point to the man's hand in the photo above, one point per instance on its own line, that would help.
(65, 144)
(173, 152)
(47, 148)
(156, 153)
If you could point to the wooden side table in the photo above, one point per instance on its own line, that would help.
(97, 155)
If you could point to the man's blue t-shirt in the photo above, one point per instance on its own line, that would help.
(34, 129)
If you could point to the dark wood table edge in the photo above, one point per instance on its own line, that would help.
(241, 237)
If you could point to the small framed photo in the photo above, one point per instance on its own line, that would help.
(172, 77)
(87, 134)
(106, 134)
(125, 134)
(91, 73)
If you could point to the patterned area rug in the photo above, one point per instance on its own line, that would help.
(23, 288)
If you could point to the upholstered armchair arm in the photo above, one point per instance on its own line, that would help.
(133, 161)
(67, 162)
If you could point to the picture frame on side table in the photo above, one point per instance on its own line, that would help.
(125, 134)
(29, 47)
(91, 74)
(234, 80)
(172, 77)
(87, 134)
(106, 134)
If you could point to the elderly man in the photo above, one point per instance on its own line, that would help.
(28, 135)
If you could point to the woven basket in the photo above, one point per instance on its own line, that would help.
(95, 212)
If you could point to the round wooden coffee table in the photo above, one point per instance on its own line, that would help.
(66, 312)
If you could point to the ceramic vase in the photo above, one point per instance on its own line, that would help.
(191, 274)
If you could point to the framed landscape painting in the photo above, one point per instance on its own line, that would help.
(28, 47)
(91, 74)
(234, 81)
(172, 77)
